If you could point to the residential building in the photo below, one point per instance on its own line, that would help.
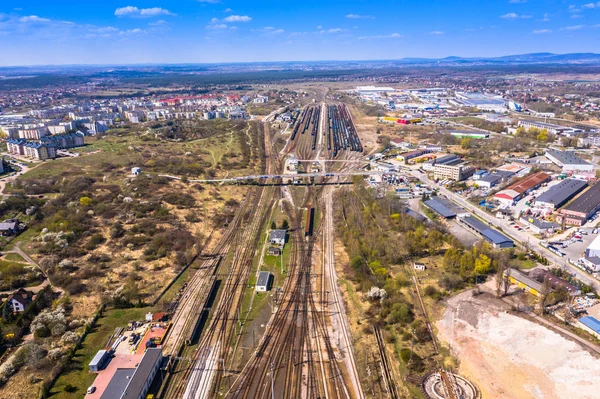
(517, 190)
(41, 151)
(555, 283)
(568, 161)
(581, 209)
(16, 146)
(591, 141)
(260, 100)
(457, 172)
(65, 141)
(277, 237)
(34, 133)
(263, 283)
(19, 300)
(10, 227)
(560, 194)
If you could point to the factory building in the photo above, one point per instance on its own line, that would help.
(516, 191)
(591, 325)
(443, 160)
(549, 127)
(568, 161)
(560, 194)
(497, 239)
(579, 211)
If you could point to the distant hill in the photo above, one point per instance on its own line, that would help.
(533, 58)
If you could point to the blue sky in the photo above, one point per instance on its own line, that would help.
(35, 32)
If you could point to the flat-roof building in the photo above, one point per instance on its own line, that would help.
(549, 127)
(568, 160)
(263, 283)
(593, 250)
(579, 211)
(444, 207)
(456, 172)
(560, 194)
(130, 383)
(443, 160)
(491, 180)
(494, 237)
(591, 325)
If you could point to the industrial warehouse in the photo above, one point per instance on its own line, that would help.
(560, 194)
(568, 161)
(516, 191)
(494, 237)
(579, 211)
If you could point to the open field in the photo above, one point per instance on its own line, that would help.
(507, 356)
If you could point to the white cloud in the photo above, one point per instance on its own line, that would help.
(209, 1)
(269, 30)
(238, 18)
(436, 32)
(512, 15)
(216, 26)
(546, 18)
(573, 9)
(390, 36)
(542, 31)
(33, 18)
(517, 1)
(334, 30)
(591, 5)
(358, 16)
(574, 27)
(160, 22)
(228, 10)
(135, 12)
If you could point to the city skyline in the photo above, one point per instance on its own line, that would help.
(214, 31)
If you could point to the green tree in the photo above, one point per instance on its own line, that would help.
(85, 201)
(465, 143)
(483, 265)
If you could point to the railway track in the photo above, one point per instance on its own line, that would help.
(386, 369)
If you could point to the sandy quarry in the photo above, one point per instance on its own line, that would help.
(511, 357)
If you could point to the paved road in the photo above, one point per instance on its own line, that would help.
(522, 238)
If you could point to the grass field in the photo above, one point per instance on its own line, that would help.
(15, 258)
(76, 374)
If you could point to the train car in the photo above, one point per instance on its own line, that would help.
(310, 219)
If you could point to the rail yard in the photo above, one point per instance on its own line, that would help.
(296, 356)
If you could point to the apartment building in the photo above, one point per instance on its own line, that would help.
(457, 172)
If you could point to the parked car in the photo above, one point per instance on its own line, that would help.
(91, 389)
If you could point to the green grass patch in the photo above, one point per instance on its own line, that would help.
(76, 373)
(524, 264)
(14, 257)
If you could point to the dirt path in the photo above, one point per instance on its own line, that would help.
(508, 356)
